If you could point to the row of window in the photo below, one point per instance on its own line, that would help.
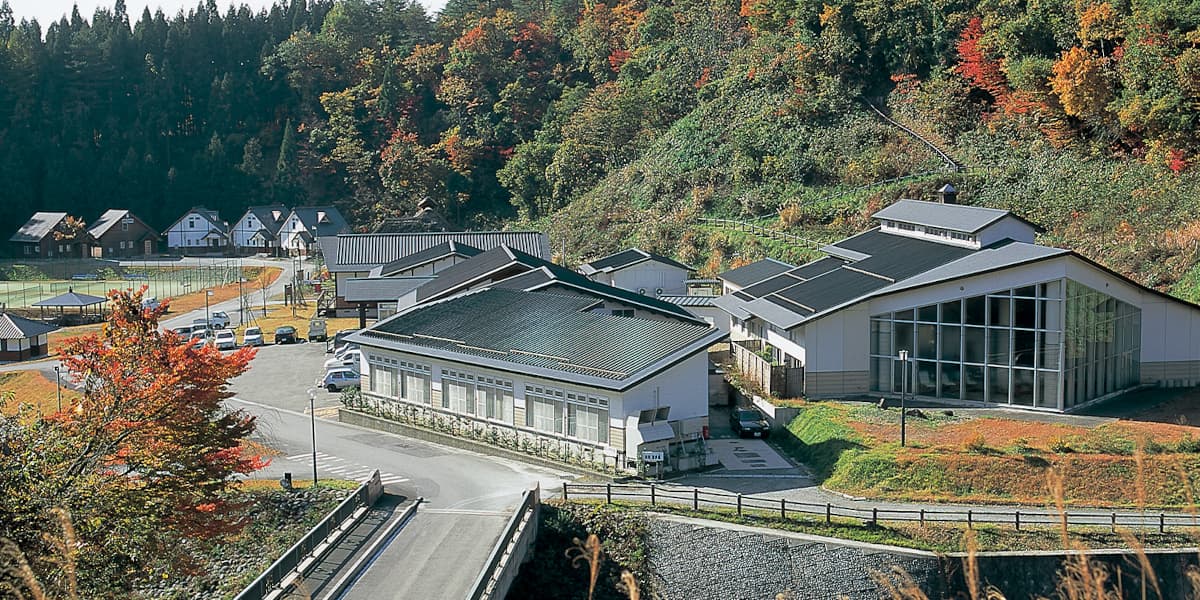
(931, 231)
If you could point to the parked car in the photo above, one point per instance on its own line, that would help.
(199, 325)
(201, 332)
(150, 303)
(748, 421)
(253, 336)
(339, 339)
(316, 331)
(340, 379)
(285, 335)
(349, 359)
(225, 340)
(218, 319)
(183, 332)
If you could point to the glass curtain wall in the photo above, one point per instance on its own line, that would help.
(1025, 346)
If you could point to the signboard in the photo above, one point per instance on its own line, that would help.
(651, 456)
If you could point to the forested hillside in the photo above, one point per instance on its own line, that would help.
(623, 122)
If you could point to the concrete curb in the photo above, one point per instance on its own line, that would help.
(361, 419)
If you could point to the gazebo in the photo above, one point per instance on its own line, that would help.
(71, 299)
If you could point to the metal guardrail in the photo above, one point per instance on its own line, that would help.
(501, 568)
(293, 562)
(695, 499)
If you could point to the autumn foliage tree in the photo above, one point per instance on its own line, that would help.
(142, 465)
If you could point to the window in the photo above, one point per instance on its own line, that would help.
(124, 225)
(495, 397)
(588, 423)
(383, 380)
(415, 382)
(191, 223)
(28, 250)
(542, 410)
(458, 396)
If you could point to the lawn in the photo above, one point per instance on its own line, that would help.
(951, 457)
(32, 387)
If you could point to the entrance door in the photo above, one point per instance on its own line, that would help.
(148, 247)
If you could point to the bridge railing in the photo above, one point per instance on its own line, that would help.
(696, 499)
(505, 560)
(303, 554)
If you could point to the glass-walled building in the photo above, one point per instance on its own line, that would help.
(1053, 345)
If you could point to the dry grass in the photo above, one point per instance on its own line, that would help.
(279, 315)
(33, 387)
(195, 300)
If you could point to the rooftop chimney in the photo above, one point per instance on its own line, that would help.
(947, 194)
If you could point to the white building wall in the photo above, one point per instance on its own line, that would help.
(182, 236)
(244, 230)
(650, 276)
(683, 387)
(1007, 228)
(712, 315)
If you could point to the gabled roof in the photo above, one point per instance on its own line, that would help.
(13, 327)
(499, 264)
(327, 219)
(627, 258)
(270, 217)
(954, 217)
(362, 252)
(542, 334)
(755, 272)
(110, 218)
(435, 253)
(214, 219)
(379, 289)
(38, 226)
(689, 300)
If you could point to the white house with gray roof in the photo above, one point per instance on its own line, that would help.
(307, 224)
(258, 229)
(983, 313)
(640, 271)
(198, 231)
(546, 369)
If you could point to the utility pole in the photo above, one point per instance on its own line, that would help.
(58, 377)
(312, 413)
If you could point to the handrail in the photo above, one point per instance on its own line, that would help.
(292, 562)
(695, 498)
(950, 163)
(491, 581)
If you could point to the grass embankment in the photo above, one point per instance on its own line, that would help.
(932, 537)
(34, 388)
(855, 448)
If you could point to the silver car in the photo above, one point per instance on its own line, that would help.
(253, 336)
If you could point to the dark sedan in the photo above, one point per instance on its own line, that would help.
(285, 335)
(749, 422)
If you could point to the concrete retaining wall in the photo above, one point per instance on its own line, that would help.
(752, 562)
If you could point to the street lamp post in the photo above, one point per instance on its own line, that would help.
(207, 317)
(58, 379)
(903, 394)
(312, 413)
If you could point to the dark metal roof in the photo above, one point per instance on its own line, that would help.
(755, 272)
(828, 290)
(38, 226)
(817, 267)
(327, 219)
(628, 258)
(110, 218)
(440, 251)
(380, 289)
(541, 333)
(271, 218)
(13, 327)
(955, 217)
(897, 257)
(365, 251)
(772, 285)
(71, 299)
(500, 264)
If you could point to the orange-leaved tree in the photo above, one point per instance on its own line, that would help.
(143, 465)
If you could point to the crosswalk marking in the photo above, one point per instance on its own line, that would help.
(343, 468)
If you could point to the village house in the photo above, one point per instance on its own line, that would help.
(643, 272)
(22, 339)
(199, 231)
(258, 229)
(42, 236)
(119, 233)
(306, 224)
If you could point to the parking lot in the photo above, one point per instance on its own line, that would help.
(283, 375)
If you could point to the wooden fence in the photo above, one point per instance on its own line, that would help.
(696, 499)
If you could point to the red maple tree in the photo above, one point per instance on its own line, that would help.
(977, 67)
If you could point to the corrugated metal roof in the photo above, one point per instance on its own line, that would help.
(628, 258)
(899, 257)
(38, 226)
(988, 259)
(440, 251)
(497, 265)
(755, 272)
(13, 327)
(364, 251)
(955, 217)
(380, 289)
(689, 300)
(553, 332)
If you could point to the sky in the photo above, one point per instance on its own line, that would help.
(46, 11)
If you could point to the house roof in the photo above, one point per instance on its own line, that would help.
(38, 226)
(380, 289)
(627, 258)
(955, 217)
(755, 272)
(428, 255)
(110, 218)
(71, 299)
(544, 334)
(327, 219)
(689, 300)
(502, 263)
(270, 217)
(13, 327)
(362, 252)
(214, 219)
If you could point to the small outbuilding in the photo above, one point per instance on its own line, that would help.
(22, 339)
